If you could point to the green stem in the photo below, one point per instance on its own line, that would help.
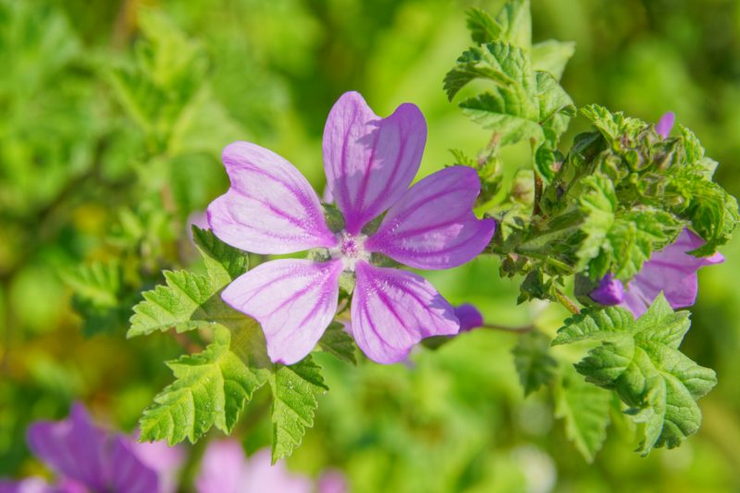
(569, 304)
(514, 330)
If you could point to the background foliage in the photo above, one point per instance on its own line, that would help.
(112, 118)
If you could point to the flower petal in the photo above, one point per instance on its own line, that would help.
(469, 316)
(671, 270)
(392, 310)
(127, 472)
(665, 124)
(433, 226)
(293, 300)
(610, 291)
(164, 460)
(74, 448)
(370, 161)
(222, 468)
(28, 485)
(270, 207)
(262, 475)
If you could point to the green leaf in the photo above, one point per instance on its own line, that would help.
(585, 409)
(224, 263)
(338, 342)
(187, 302)
(295, 390)
(483, 29)
(211, 389)
(190, 301)
(619, 241)
(523, 105)
(534, 364)
(98, 283)
(640, 361)
(552, 56)
(713, 212)
(515, 21)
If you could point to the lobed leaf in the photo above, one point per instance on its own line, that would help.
(534, 364)
(295, 390)
(640, 361)
(585, 409)
(211, 389)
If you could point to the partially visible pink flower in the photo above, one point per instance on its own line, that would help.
(332, 481)
(671, 270)
(470, 317)
(86, 458)
(370, 163)
(166, 461)
(665, 124)
(226, 469)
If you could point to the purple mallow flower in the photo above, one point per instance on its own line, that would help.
(87, 458)
(225, 469)
(671, 270)
(370, 162)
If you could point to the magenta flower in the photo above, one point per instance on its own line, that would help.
(87, 458)
(665, 124)
(370, 162)
(225, 469)
(671, 270)
(469, 316)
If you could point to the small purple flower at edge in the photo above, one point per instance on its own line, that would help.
(470, 317)
(88, 458)
(370, 162)
(671, 270)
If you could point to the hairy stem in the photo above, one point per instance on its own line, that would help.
(569, 304)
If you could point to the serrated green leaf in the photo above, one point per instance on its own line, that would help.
(552, 56)
(295, 390)
(483, 29)
(534, 364)
(619, 241)
(338, 342)
(211, 389)
(611, 125)
(188, 301)
(585, 409)
(224, 263)
(99, 283)
(515, 21)
(640, 361)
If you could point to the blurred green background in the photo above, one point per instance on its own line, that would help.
(112, 118)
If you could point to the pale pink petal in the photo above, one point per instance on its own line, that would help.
(433, 226)
(222, 468)
(270, 207)
(370, 161)
(665, 124)
(28, 485)
(166, 461)
(392, 310)
(332, 481)
(293, 300)
(261, 475)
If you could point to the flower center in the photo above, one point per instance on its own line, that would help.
(351, 249)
